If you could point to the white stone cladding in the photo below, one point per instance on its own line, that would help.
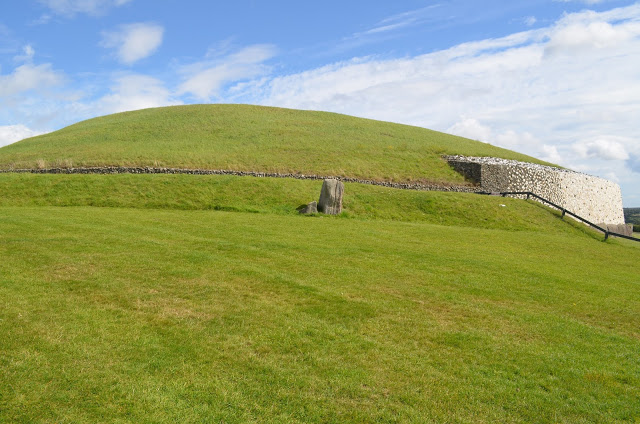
(595, 199)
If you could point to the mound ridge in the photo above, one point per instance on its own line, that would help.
(253, 138)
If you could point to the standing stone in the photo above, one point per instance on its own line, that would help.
(309, 208)
(331, 197)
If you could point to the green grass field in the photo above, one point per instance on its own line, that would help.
(130, 315)
(209, 299)
(164, 298)
(253, 138)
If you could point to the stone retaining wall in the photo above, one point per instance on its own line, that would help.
(151, 170)
(595, 199)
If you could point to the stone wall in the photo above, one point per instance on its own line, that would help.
(595, 199)
(150, 170)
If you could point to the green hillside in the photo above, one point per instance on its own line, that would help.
(164, 298)
(252, 138)
(632, 216)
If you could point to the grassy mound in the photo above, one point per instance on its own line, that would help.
(252, 138)
(182, 298)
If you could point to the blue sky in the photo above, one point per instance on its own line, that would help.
(559, 80)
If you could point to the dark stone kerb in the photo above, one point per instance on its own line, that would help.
(151, 170)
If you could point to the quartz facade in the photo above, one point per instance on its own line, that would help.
(595, 199)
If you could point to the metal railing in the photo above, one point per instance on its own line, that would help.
(529, 194)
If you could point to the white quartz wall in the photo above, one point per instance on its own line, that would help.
(595, 199)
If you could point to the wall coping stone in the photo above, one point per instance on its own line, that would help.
(486, 160)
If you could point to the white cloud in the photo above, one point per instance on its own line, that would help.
(400, 20)
(530, 20)
(602, 149)
(510, 139)
(12, 133)
(134, 42)
(471, 128)
(612, 176)
(427, 90)
(551, 154)
(29, 77)
(132, 92)
(90, 7)
(205, 80)
(27, 56)
(578, 36)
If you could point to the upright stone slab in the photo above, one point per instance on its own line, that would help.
(331, 197)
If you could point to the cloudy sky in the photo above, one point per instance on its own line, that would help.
(555, 79)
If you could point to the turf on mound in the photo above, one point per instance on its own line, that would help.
(253, 138)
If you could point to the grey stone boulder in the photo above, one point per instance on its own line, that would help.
(311, 207)
(624, 229)
(331, 197)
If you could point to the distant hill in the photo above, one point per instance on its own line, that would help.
(632, 216)
(253, 138)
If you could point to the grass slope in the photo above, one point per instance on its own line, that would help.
(243, 137)
(279, 196)
(134, 315)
